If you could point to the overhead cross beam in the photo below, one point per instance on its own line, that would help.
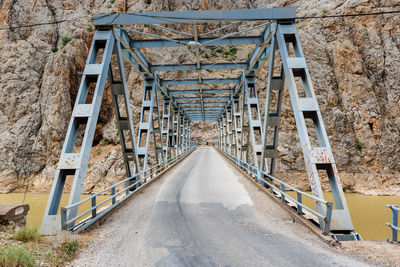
(204, 81)
(217, 66)
(205, 91)
(237, 40)
(288, 13)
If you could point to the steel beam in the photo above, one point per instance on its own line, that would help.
(74, 160)
(146, 125)
(272, 115)
(188, 99)
(183, 67)
(176, 129)
(229, 128)
(254, 118)
(165, 128)
(123, 114)
(287, 13)
(199, 109)
(317, 155)
(245, 136)
(236, 109)
(155, 43)
(220, 104)
(204, 81)
(205, 91)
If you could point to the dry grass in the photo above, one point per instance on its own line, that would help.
(27, 248)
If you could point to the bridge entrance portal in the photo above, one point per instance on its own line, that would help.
(180, 90)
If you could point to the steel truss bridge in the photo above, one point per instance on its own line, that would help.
(171, 103)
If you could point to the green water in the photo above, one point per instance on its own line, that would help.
(37, 204)
(368, 213)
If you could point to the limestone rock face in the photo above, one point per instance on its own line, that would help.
(354, 64)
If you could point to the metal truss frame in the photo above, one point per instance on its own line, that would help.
(255, 136)
(236, 108)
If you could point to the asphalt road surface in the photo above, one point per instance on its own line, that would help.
(205, 213)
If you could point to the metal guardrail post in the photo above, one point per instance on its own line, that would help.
(394, 222)
(328, 217)
(94, 212)
(126, 186)
(283, 193)
(299, 199)
(113, 194)
(63, 218)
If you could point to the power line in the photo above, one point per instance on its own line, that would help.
(40, 24)
(350, 15)
(32, 25)
(160, 17)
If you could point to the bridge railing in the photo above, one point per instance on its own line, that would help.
(394, 224)
(259, 176)
(117, 193)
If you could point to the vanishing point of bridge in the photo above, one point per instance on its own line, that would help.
(171, 104)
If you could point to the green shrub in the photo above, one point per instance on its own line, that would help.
(324, 12)
(27, 234)
(112, 1)
(206, 56)
(16, 256)
(219, 50)
(89, 27)
(233, 50)
(71, 247)
(54, 49)
(301, 26)
(358, 145)
(148, 2)
(213, 53)
(65, 40)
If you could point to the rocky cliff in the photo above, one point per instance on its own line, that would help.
(354, 63)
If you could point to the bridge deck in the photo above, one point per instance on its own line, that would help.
(204, 213)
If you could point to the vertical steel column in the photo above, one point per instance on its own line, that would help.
(253, 111)
(225, 131)
(146, 122)
(176, 127)
(171, 132)
(229, 129)
(233, 133)
(305, 106)
(220, 133)
(181, 134)
(245, 136)
(156, 129)
(73, 161)
(189, 136)
(272, 115)
(123, 114)
(237, 125)
(184, 135)
(165, 130)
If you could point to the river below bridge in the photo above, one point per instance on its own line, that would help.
(369, 213)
